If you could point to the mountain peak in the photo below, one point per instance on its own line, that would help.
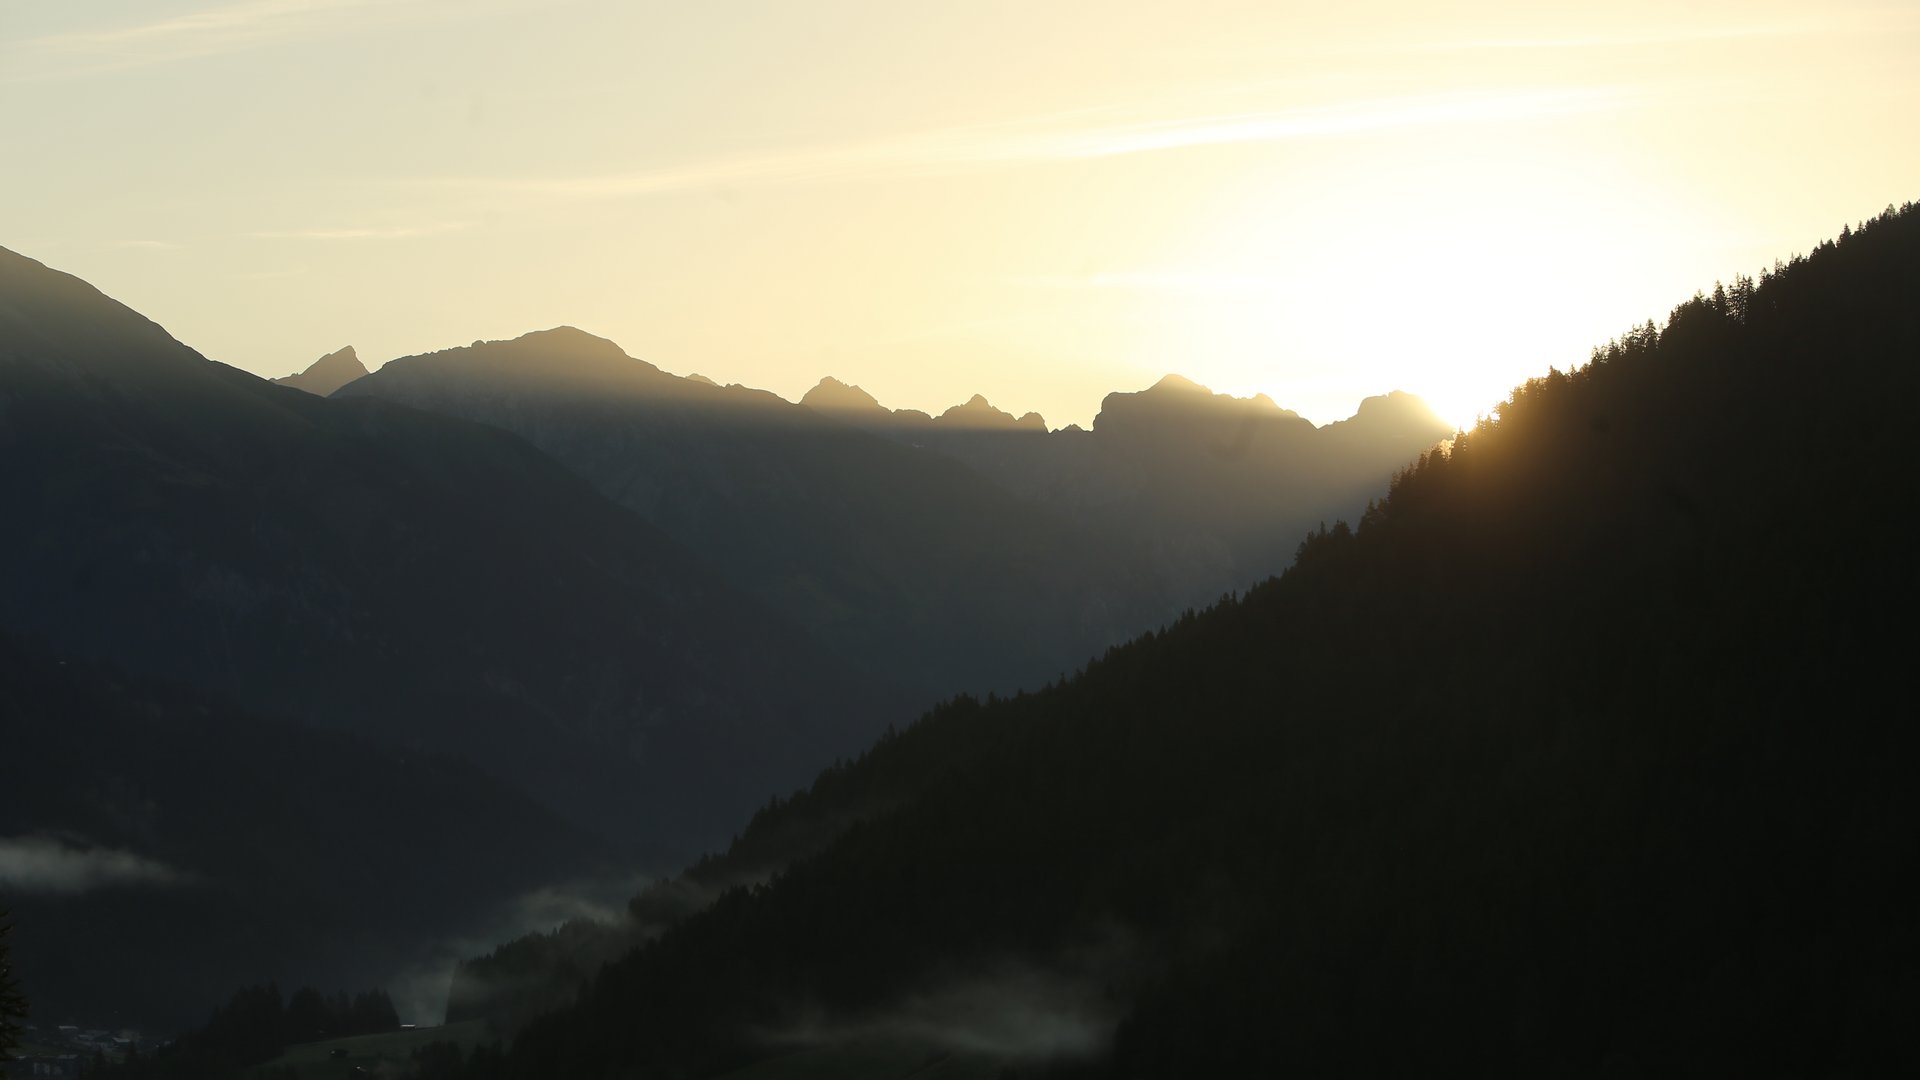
(570, 342)
(1397, 403)
(832, 395)
(1396, 410)
(1171, 383)
(327, 374)
(979, 414)
(558, 359)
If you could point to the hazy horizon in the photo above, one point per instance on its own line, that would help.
(1036, 205)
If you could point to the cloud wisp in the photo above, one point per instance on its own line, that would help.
(419, 983)
(1874, 20)
(1202, 282)
(1017, 1012)
(211, 31)
(365, 232)
(1057, 138)
(43, 864)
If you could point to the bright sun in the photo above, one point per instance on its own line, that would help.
(1455, 278)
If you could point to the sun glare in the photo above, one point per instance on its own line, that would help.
(1454, 273)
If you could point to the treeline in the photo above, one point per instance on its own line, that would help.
(1576, 755)
(535, 974)
(256, 1026)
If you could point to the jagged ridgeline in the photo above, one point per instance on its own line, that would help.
(426, 582)
(973, 551)
(1584, 751)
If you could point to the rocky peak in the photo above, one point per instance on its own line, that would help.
(329, 373)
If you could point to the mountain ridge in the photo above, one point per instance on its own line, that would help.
(354, 563)
(899, 560)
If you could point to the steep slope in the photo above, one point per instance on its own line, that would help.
(361, 565)
(1582, 754)
(897, 559)
(327, 374)
(159, 847)
(1214, 488)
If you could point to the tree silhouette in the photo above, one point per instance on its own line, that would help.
(13, 1004)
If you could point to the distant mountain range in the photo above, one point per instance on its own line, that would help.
(356, 565)
(536, 580)
(1216, 490)
(970, 551)
(903, 562)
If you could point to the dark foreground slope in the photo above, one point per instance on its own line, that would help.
(162, 847)
(1586, 752)
(418, 579)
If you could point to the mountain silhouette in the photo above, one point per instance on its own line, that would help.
(1212, 490)
(420, 580)
(901, 561)
(1582, 753)
(327, 374)
(978, 414)
(835, 398)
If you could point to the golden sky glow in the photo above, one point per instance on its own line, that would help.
(1039, 202)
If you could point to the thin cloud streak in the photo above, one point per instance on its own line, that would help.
(1036, 142)
(43, 864)
(198, 34)
(366, 232)
(1349, 120)
(1875, 21)
(1176, 281)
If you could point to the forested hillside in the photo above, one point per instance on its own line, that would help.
(1583, 752)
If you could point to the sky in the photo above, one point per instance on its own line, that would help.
(1040, 201)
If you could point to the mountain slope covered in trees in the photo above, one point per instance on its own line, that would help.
(1582, 753)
